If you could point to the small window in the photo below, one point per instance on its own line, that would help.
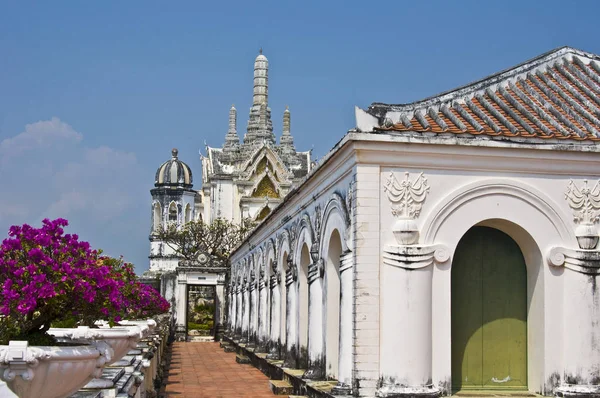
(188, 213)
(173, 212)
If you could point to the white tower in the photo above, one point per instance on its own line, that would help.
(172, 203)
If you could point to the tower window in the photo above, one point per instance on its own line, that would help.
(173, 212)
(157, 217)
(188, 213)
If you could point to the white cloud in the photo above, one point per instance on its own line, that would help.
(37, 135)
(47, 171)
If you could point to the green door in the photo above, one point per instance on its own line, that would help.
(489, 312)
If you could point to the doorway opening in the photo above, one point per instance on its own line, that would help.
(201, 312)
(489, 312)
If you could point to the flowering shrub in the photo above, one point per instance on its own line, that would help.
(47, 276)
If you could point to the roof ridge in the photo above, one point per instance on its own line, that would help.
(379, 108)
(553, 96)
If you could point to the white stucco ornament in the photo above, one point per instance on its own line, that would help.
(407, 198)
(585, 202)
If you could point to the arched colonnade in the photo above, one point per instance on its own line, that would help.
(292, 296)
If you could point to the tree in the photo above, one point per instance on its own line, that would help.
(217, 239)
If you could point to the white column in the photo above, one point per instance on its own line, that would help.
(275, 326)
(253, 327)
(181, 311)
(220, 308)
(263, 316)
(582, 316)
(406, 314)
(344, 385)
(245, 312)
(231, 314)
(291, 355)
(316, 328)
(238, 311)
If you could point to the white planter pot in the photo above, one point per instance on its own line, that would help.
(147, 325)
(48, 371)
(120, 339)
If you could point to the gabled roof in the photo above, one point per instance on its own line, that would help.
(554, 96)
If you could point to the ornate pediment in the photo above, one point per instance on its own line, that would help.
(264, 161)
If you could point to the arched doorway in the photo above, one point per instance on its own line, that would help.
(489, 312)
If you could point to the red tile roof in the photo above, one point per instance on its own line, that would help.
(554, 96)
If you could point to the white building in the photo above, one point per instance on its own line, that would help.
(241, 181)
(447, 244)
(173, 202)
(247, 180)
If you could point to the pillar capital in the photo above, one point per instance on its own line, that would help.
(346, 261)
(316, 270)
(291, 275)
(578, 260)
(414, 256)
(275, 280)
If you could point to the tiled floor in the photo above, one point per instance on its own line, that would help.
(202, 370)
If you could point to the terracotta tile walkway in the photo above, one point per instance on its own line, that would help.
(203, 370)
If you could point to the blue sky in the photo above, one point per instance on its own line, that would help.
(94, 95)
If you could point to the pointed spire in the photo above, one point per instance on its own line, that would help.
(286, 121)
(260, 127)
(287, 141)
(261, 80)
(232, 120)
(231, 139)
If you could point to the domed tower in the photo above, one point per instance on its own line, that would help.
(172, 203)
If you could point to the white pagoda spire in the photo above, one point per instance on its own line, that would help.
(287, 141)
(232, 139)
(261, 80)
(260, 127)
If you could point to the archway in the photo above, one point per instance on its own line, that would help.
(303, 307)
(488, 312)
(201, 307)
(332, 288)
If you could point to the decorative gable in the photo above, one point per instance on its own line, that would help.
(265, 188)
(264, 161)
